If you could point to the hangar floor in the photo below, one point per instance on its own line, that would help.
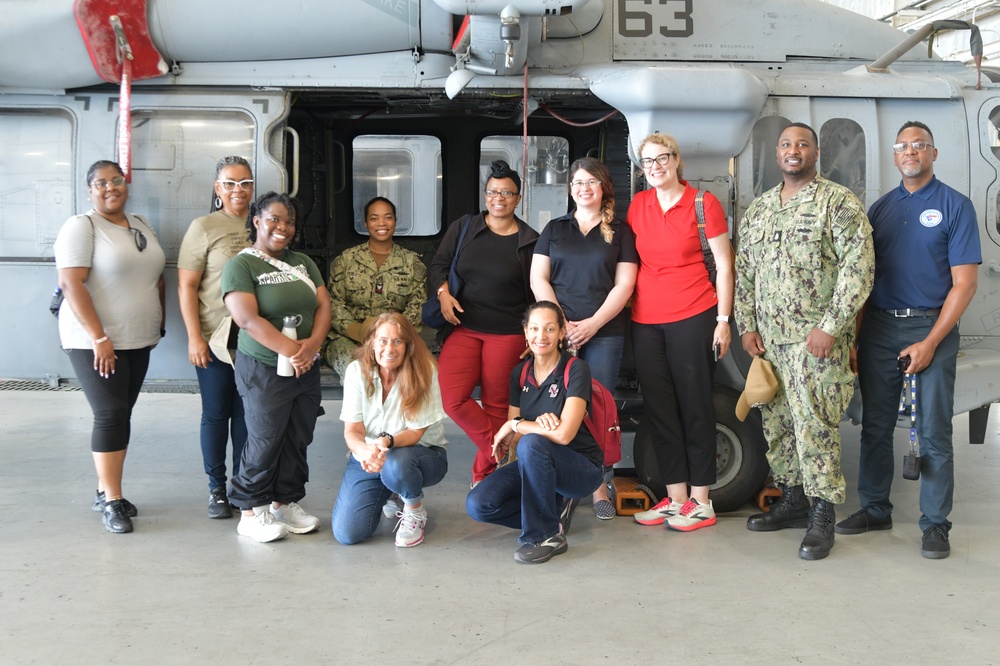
(183, 589)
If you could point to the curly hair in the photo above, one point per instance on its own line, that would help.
(263, 201)
(500, 169)
(416, 372)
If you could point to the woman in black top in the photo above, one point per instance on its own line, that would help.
(485, 339)
(558, 460)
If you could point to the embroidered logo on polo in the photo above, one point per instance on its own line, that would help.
(931, 217)
(553, 390)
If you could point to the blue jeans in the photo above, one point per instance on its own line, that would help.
(407, 471)
(221, 417)
(523, 494)
(604, 356)
(881, 339)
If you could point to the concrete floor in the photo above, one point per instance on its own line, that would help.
(183, 589)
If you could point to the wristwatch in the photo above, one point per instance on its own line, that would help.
(392, 440)
(514, 422)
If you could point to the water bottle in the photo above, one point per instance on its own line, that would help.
(289, 330)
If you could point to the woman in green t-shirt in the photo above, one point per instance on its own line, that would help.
(262, 286)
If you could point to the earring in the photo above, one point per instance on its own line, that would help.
(218, 203)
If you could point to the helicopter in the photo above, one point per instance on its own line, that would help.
(412, 99)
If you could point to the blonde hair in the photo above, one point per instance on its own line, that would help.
(416, 372)
(600, 171)
(668, 142)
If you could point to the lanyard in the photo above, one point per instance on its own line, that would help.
(910, 386)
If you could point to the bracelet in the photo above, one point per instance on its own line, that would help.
(100, 340)
(440, 289)
(392, 440)
(724, 318)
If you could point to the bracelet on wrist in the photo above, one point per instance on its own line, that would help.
(392, 440)
(724, 318)
(441, 289)
(100, 340)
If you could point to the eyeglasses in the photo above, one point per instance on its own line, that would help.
(230, 185)
(140, 240)
(593, 182)
(506, 194)
(101, 184)
(662, 160)
(919, 146)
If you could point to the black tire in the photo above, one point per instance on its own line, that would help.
(741, 463)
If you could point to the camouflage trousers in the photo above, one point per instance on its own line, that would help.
(339, 352)
(802, 423)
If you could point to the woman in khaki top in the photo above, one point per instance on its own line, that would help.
(209, 243)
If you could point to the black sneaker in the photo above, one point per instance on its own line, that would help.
(218, 504)
(862, 521)
(116, 518)
(542, 552)
(934, 545)
(99, 502)
(566, 515)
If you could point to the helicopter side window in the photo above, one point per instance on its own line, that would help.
(406, 170)
(764, 138)
(37, 175)
(545, 191)
(842, 154)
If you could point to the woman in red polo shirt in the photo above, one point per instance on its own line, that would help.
(678, 318)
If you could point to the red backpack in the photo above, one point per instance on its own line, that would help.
(601, 418)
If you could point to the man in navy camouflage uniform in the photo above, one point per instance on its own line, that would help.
(804, 269)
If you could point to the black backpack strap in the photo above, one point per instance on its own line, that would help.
(706, 251)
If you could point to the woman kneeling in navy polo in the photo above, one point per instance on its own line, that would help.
(558, 460)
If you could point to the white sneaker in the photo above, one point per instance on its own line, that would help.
(393, 506)
(659, 513)
(410, 528)
(261, 526)
(293, 517)
(693, 516)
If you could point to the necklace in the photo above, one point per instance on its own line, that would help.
(541, 376)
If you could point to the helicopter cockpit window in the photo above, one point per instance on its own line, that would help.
(994, 134)
(766, 173)
(37, 175)
(174, 153)
(545, 190)
(842, 156)
(406, 170)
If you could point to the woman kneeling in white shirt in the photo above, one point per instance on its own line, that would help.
(392, 416)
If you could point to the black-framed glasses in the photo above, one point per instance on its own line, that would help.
(230, 185)
(506, 194)
(662, 160)
(101, 183)
(919, 146)
(140, 239)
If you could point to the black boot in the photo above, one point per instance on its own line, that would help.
(792, 510)
(819, 535)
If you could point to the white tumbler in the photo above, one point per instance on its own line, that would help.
(289, 330)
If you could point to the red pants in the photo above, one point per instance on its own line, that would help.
(469, 358)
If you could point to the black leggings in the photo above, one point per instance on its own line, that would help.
(111, 399)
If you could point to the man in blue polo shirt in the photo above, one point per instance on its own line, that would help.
(927, 254)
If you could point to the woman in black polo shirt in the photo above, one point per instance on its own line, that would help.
(556, 455)
(586, 262)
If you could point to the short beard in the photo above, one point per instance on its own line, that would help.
(911, 172)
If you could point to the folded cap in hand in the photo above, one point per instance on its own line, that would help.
(760, 389)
